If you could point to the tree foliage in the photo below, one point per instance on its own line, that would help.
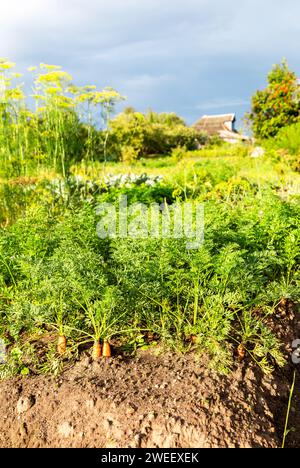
(278, 105)
(134, 135)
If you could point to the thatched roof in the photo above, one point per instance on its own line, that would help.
(233, 136)
(214, 124)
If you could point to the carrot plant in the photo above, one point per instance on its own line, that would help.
(101, 322)
(60, 325)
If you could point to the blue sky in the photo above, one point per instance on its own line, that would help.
(192, 57)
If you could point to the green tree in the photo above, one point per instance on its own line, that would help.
(278, 105)
(134, 135)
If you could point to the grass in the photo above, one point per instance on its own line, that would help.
(260, 171)
(286, 430)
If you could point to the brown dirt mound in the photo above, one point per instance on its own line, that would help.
(164, 401)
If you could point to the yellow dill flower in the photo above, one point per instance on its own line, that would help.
(6, 65)
(16, 94)
(52, 91)
(64, 102)
(38, 97)
(54, 77)
(84, 97)
(50, 67)
(31, 69)
(73, 89)
(107, 95)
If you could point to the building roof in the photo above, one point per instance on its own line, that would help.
(214, 124)
(228, 135)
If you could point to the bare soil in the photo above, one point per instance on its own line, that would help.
(161, 401)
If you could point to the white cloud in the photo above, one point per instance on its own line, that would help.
(193, 49)
(222, 102)
(103, 30)
(146, 81)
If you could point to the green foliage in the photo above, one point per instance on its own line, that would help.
(134, 135)
(55, 272)
(58, 277)
(286, 144)
(63, 128)
(288, 138)
(278, 105)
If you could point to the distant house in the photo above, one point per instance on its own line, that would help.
(222, 126)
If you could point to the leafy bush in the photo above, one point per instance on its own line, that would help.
(134, 135)
(288, 138)
(285, 147)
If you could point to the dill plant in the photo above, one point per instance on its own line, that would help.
(63, 127)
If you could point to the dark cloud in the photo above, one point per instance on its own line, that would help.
(191, 57)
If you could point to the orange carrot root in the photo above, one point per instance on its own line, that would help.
(97, 351)
(241, 352)
(106, 349)
(61, 345)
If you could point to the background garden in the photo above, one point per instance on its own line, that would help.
(64, 291)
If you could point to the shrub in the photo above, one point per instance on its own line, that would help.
(178, 153)
(288, 138)
(129, 154)
(134, 135)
